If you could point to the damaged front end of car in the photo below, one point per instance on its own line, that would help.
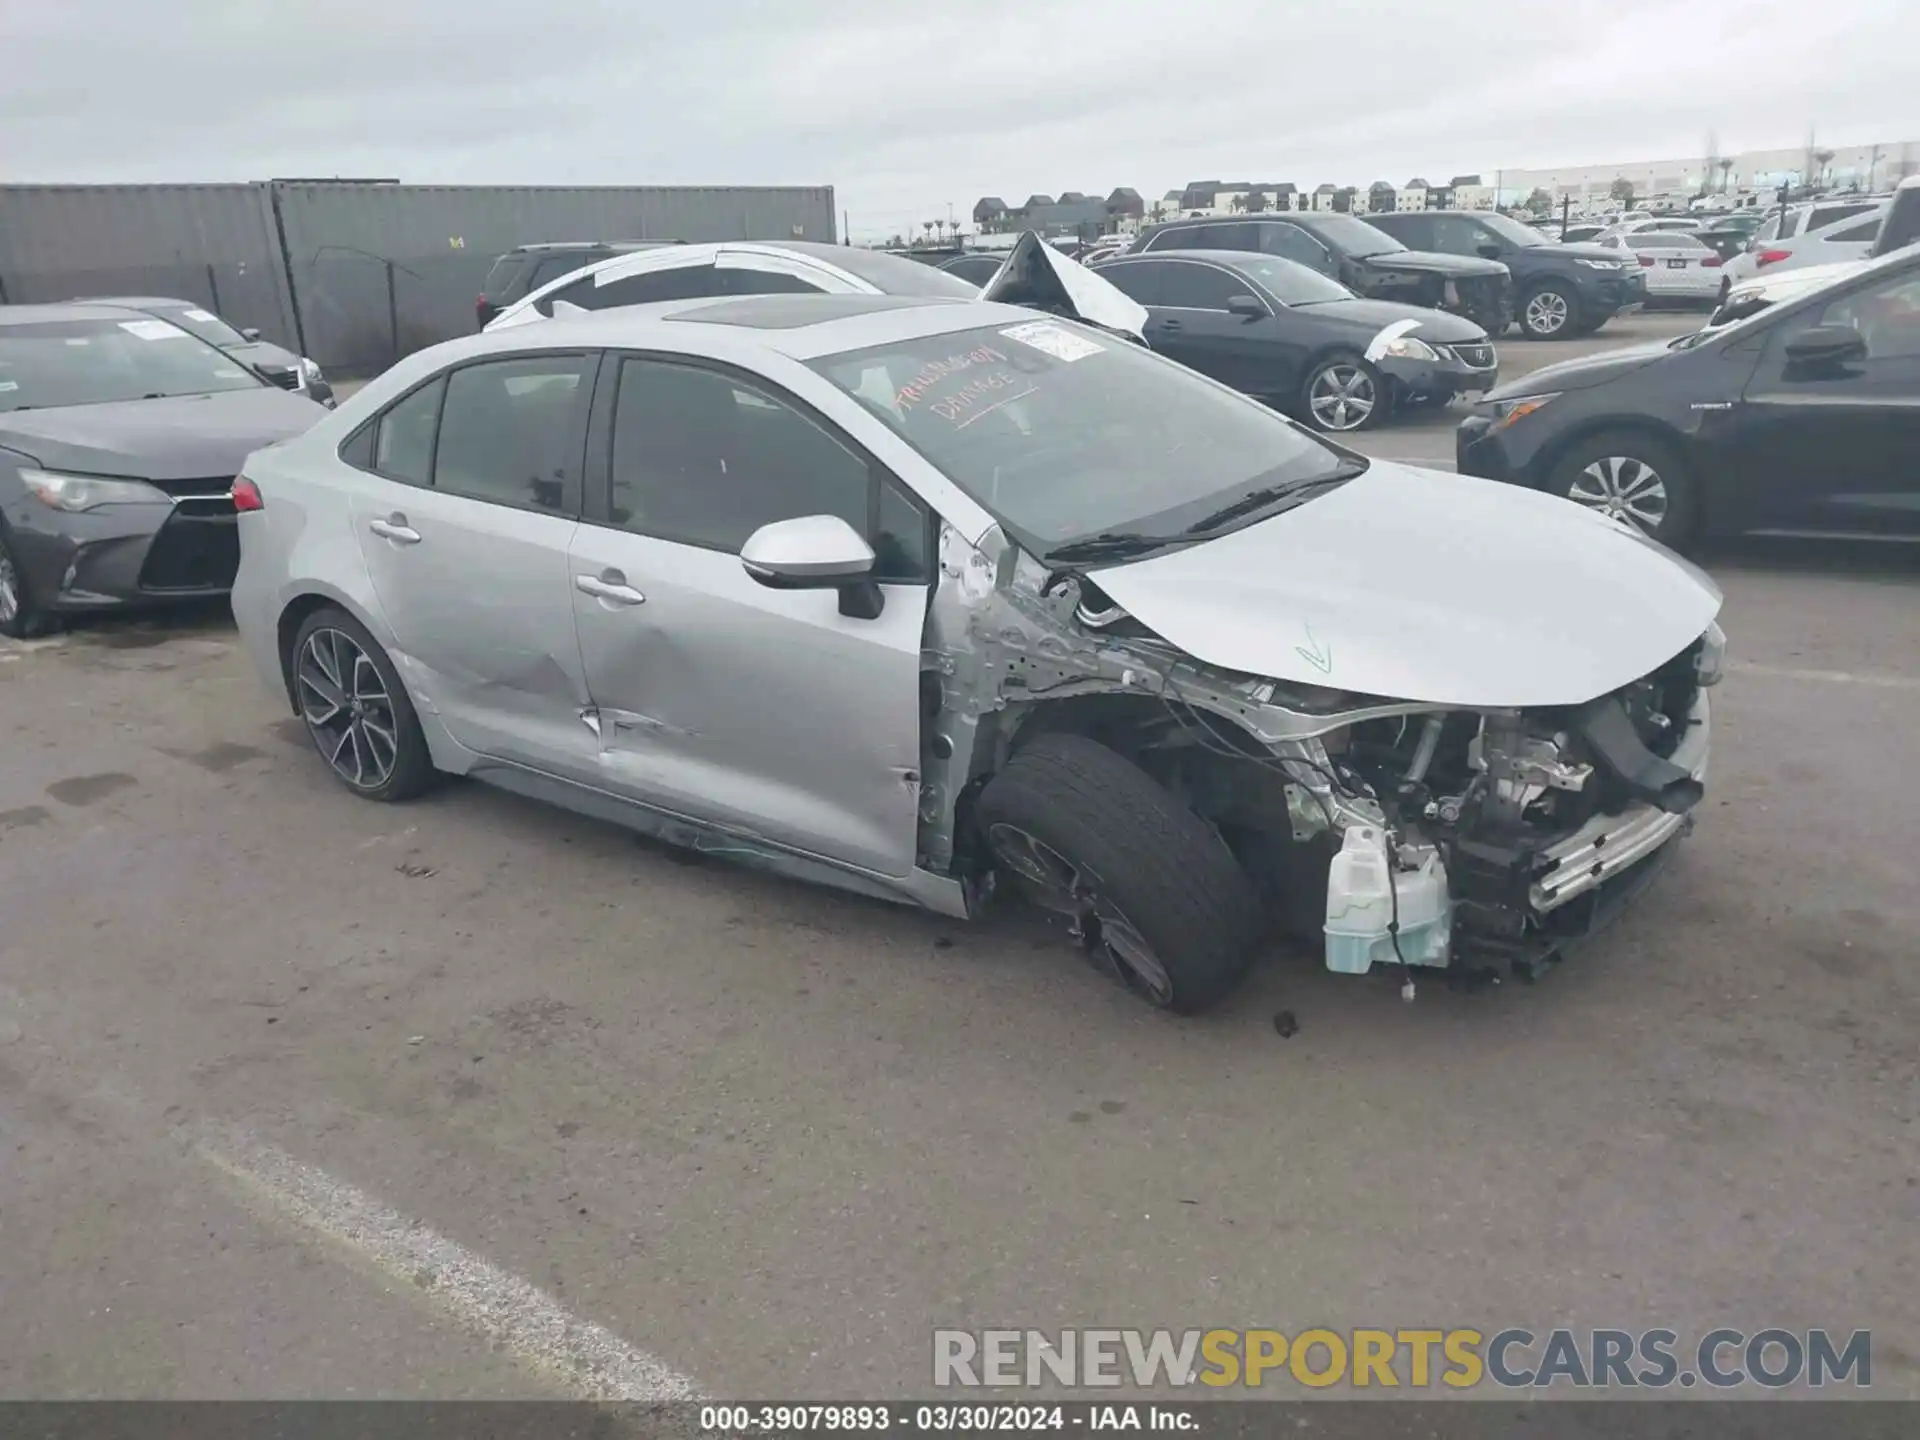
(1389, 832)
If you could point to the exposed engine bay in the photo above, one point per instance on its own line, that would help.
(1390, 831)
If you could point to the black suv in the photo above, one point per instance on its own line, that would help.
(525, 268)
(1560, 290)
(1367, 261)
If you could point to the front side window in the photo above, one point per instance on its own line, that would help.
(705, 458)
(51, 364)
(1232, 236)
(1062, 432)
(1191, 286)
(508, 432)
(1290, 242)
(1289, 283)
(1887, 315)
(1141, 280)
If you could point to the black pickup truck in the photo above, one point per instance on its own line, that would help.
(1367, 261)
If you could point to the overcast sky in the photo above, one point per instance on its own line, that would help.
(905, 108)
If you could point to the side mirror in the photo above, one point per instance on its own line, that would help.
(1246, 307)
(815, 552)
(1490, 252)
(1825, 346)
(249, 334)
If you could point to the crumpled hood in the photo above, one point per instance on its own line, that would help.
(1038, 276)
(1425, 586)
(188, 437)
(1580, 374)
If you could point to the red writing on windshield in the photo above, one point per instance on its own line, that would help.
(935, 371)
(979, 395)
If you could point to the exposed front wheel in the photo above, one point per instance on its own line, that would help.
(1634, 477)
(19, 619)
(1549, 313)
(356, 711)
(1155, 895)
(1344, 394)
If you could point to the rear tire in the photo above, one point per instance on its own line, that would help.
(20, 618)
(356, 710)
(1634, 476)
(1161, 902)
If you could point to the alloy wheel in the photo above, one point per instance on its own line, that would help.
(1625, 488)
(348, 710)
(1342, 397)
(1114, 941)
(1547, 313)
(9, 589)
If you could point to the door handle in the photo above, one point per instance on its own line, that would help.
(396, 529)
(1169, 324)
(610, 586)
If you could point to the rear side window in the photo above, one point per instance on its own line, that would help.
(1229, 237)
(508, 432)
(1865, 230)
(734, 281)
(1199, 287)
(1140, 280)
(552, 267)
(1834, 214)
(679, 282)
(505, 271)
(403, 439)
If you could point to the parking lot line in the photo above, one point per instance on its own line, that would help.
(1825, 677)
(580, 1357)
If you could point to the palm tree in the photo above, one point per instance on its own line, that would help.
(1726, 166)
(1822, 159)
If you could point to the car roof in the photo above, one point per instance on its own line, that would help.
(547, 247)
(1232, 259)
(61, 310)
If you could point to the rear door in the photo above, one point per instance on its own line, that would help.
(764, 712)
(1834, 449)
(465, 533)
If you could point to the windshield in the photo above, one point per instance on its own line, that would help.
(1290, 283)
(1351, 236)
(1512, 231)
(1062, 432)
(204, 323)
(96, 362)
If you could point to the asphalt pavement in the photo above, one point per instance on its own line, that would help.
(303, 1096)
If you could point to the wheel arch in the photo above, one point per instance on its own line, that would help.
(314, 596)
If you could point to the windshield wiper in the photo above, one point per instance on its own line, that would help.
(1111, 545)
(1297, 491)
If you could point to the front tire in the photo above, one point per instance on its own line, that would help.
(1635, 477)
(1159, 900)
(1550, 312)
(20, 618)
(356, 710)
(1343, 395)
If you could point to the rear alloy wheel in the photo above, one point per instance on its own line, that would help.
(1548, 314)
(1632, 477)
(356, 711)
(1345, 394)
(1152, 892)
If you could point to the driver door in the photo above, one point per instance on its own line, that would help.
(765, 712)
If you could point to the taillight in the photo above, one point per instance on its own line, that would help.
(246, 496)
(1646, 262)
(1772, 257)
(1712, 262)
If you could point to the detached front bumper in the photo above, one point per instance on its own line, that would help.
(125, 555)
(1452, 374)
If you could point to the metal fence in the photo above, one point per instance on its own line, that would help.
(355, 275)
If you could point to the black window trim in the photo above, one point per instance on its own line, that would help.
(1253, 287)
(597, 509)
(577, 456)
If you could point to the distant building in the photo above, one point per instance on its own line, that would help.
(1863, 167)
(1382, 197)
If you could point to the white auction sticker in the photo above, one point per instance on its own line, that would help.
(153, 330)
(201, 315)
(6, 385)
(1054, 340)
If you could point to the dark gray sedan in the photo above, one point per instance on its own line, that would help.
(120, 437)
(269, 361)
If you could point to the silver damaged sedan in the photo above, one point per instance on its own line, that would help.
(929, 599)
